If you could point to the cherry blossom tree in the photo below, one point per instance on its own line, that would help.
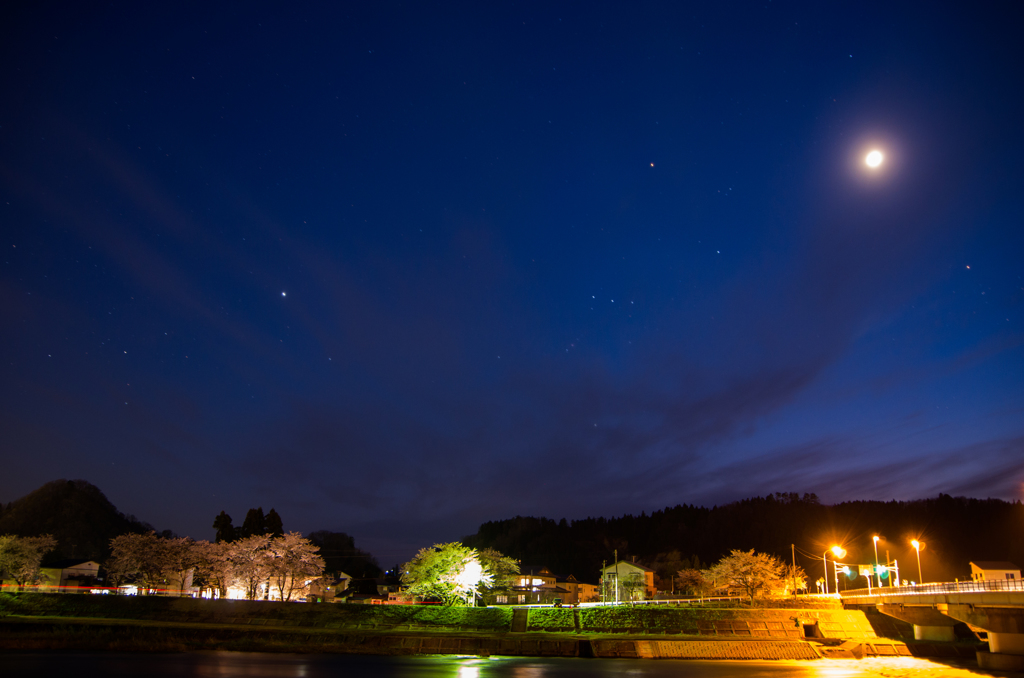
(20, 556)
(295, 561)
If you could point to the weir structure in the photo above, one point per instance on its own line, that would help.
(992, 608)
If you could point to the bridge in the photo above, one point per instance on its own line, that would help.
(995, 607)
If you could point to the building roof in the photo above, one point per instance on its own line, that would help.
(71, 563)
(995, 565)
(626, 562)
(540, 570)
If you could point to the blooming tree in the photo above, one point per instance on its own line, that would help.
(294, 563)
(141, 558)
(753, 572)
(453, 573)
(250, 559)
(20, 556)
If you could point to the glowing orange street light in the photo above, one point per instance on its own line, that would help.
(917, 547)
(838, 552)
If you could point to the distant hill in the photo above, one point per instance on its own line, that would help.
(76, 513)
(956, 530)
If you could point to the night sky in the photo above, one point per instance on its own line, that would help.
(397, 269)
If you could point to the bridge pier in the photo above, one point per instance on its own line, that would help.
(943, 634)
(999, 657)
(929, 623)
(1007, 643)
(1005, 627)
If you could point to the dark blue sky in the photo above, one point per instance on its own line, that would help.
(397, 269)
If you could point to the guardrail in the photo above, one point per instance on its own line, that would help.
(675, 601)
(944, 587)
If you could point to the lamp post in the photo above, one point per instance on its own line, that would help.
(837, 552)
(878, 575)
(917, 547)
(824, 564)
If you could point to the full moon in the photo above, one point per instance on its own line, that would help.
(874, 159)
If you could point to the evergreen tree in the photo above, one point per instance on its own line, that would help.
(272, 524)
(225, 530)
(254, 525)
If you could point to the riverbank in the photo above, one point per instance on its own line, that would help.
(51, 622)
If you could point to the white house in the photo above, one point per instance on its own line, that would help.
(994, 570)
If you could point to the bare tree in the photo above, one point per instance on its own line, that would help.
(795, 579)
(694, 581)
(634, 586)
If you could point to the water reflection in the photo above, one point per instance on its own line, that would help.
(232, 664)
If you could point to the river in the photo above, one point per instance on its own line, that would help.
(232, 664)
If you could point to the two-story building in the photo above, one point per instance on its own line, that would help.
(625, 581)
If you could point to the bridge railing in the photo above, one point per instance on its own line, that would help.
(945, 587)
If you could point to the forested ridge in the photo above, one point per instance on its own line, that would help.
(955, 530)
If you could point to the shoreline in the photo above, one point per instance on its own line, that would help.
(23, 634)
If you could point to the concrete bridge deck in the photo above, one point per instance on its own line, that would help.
(997, 607)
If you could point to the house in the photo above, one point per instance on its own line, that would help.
(577, 592)
(535, 577)
(532, 586)
(70, 576)
(324, 589)
(994, 570)
(624, 581)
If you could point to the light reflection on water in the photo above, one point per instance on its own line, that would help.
(237, 664)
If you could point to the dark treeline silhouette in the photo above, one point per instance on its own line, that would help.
(83, 521)
(336, 548)
(76, 513)
(255, 524)
(341, 555)
(955, 531)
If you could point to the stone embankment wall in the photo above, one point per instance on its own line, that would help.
(753, 623)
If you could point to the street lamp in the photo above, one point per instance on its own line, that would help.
(837, 552)
(878, 575)
(917, 547)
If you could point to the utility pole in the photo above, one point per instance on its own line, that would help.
(616, 552)
(604, 581)
(793, 549)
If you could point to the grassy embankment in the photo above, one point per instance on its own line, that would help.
(33, 621)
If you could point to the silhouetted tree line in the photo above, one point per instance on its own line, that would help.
(255, 525)
(336, 548)
(956, 530)
(341, 555)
